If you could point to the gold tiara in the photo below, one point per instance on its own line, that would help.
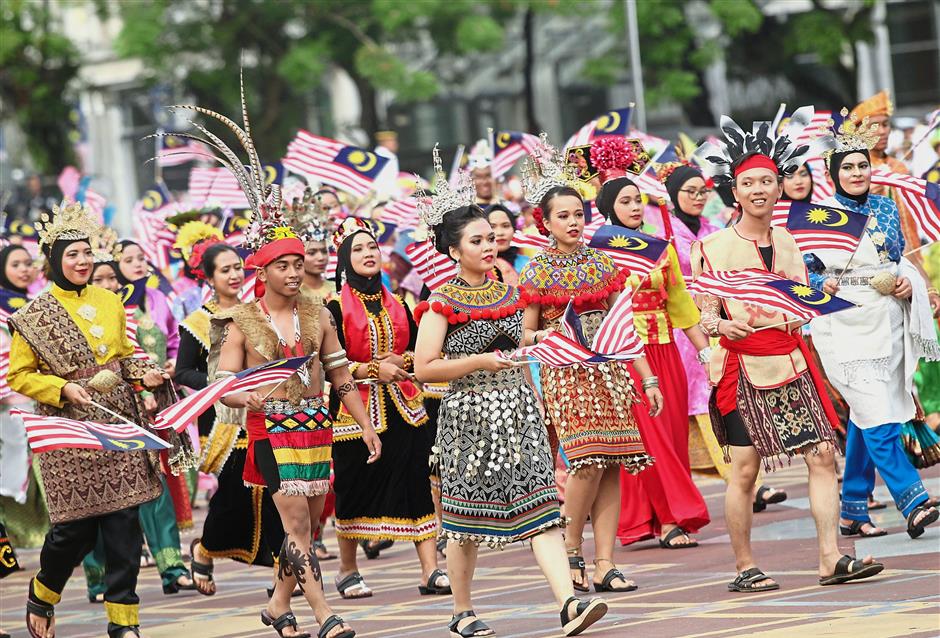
(853, 135)
(72, 222)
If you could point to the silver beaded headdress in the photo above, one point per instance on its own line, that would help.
(546, 169)
(447, 197)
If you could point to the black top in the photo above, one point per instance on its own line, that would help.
(767, 256)
(192, 371)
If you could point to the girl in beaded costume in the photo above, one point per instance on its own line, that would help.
(497, 483)
(590, 407)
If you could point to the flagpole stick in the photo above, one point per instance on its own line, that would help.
(775, 325)
(915, 250)
(926, 134)
(113, 413)
(854, 252)
(276, 386)
(157, 168)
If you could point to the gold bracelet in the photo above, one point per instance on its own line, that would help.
(409, 361)
(372, 371)
(932, 291)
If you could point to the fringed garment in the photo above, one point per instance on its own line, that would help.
(497, 472)
(590, 407)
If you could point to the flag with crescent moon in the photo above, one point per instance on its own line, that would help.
(327, 161)
(816, 227)
(765, 289)
(46, 433)
(150, 213)
(508, 147)
(638, 252)
(175, 150)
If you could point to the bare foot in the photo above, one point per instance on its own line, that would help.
(42, 626)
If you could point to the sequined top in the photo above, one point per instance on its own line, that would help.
(884, 229)
(483, 334)
(661, 302)
(583, 275)
(99, 316)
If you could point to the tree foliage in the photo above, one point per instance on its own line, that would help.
(37, 64)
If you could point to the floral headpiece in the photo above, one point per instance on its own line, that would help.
(544, 170)
(349, 227)
(72, 222)
(192, 241)
(432, 207)
(615, 156)
(853, 136)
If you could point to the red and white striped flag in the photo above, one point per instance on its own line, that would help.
(215, 186)
(327, 161)
(763, 288)
(617, 336)
(154, 237)
(174, 150)
(522, 239)
(47, 433)
(434, 268)
(130, 329)
(184, 411)
(95, 203)
(818, 125)
(921, 197)
(5, 390)
(819, 227)
(403, 213)
(508, 147)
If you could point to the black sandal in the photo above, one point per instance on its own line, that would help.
(320, 546)
(609, 577)
(203, 569)
(329, 624)
(587, 613)
(120, 631)
(855, 529)
(915, 530)
(577, 562)
(432, 588)
(287, 619)
(666, 543)
(470, 631)
(746, 582)
(846, 571)
(373, 551)
(761, 503)
(37, 608)
(353, 579)
(442, 546)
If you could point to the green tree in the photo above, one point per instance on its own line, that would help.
(37, 64)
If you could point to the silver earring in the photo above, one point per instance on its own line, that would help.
(457, 266)
(552, 241)
(342, 278)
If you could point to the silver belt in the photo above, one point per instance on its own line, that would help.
(283, 406)
(855, 281)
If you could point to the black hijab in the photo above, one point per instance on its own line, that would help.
(606, 199)
(809, 194)
(5, 283)
(674, 184)
(140, 284)
(510, 253)
(54, 256)
(835, 164)
(365, 285)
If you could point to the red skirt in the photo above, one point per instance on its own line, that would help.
(663, 493)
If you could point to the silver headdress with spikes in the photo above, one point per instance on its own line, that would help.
(546, 169)
(431, 207)
(783, 149)
(307, 217)
(266, 220)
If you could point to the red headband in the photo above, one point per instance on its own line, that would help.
(271, 252)
(756, 161)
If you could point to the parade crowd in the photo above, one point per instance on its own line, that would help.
(454, 383)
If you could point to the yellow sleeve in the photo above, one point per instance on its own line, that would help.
(679, 304)
(24, 376)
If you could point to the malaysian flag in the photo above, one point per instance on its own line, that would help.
(174, 150)
(637, 252)
(5, 390)
(617, 336)
(817, 227)
(522, 239)
(615, 122)
(321, 159)
(403, 213)
(154, 237)
(130, 330)
(47, 433)
(921, 197)
(434, 268)
(95, 201)
(762, 288)
(216, 186)
(182, 413)
(508, 147)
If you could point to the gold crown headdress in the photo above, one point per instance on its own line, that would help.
(103, 245)
(267, 223)
(853, 135)
(72, 222)
(431, 207)
(307, 217)
(546, 169)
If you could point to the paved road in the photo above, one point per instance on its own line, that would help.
(682, 593)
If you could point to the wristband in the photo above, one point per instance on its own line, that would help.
(372, 371)
(409, 361)
(651, 381)
(705, 354)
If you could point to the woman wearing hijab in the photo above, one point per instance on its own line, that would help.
(158, 335)
(70, 353)
(870, 353)
(509, 260)
(22, 502)
(662, 501)
(389, 499)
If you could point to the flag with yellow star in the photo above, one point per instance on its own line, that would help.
(817, 227)
(638, 252)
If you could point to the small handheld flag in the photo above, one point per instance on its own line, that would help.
(47, 433)
(631, 249)
(817, 227)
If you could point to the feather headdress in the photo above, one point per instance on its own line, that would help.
(783, 149)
